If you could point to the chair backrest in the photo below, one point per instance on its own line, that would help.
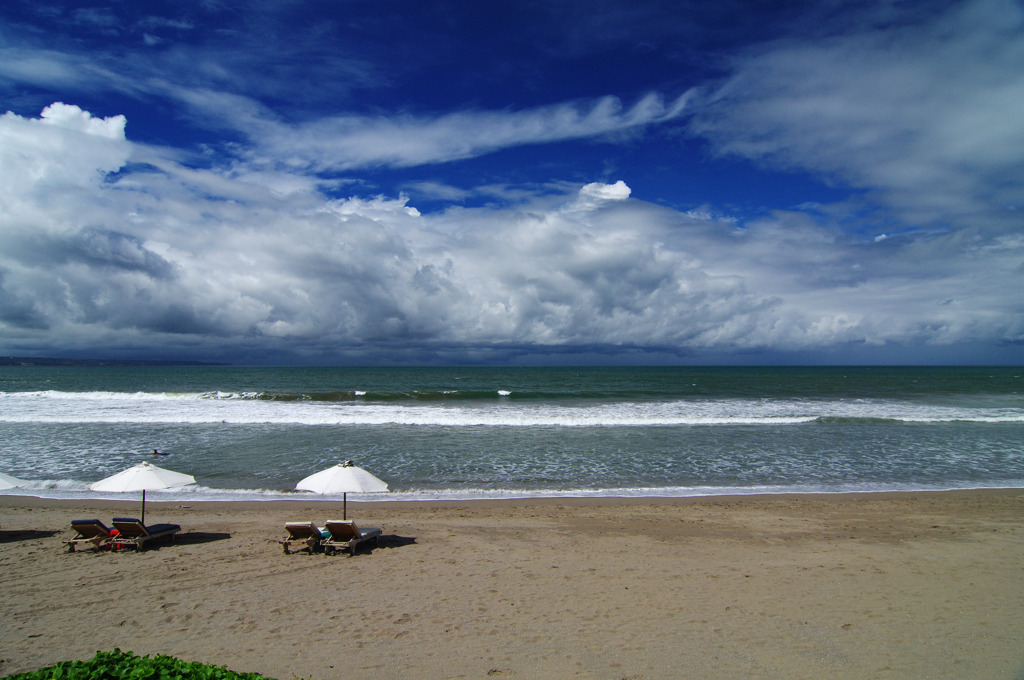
(301, 529)
(90, 528)
(129, 527)
(342, 530)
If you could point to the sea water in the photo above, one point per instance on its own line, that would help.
(250, 433)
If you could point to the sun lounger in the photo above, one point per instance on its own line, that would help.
(304, 533)
(91, 532)
(345, 535)
(132, 533)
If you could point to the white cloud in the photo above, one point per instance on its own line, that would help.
(596, 194)
(169, 258)
(70, 117)
(61, 71)
(346, 142)
(926, 115)
(440, 191)
(66, 147)
(39, 67)
(606, 192)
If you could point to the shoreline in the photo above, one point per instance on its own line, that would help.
(179, 496)
(900, 584)
(27, 500)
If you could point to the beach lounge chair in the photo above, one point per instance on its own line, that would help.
(345, 535)
(91, 533)
(132, 533)
(304, 533)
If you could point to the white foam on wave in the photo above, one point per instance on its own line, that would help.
(55, 395)
(80, 491)
(245, 408)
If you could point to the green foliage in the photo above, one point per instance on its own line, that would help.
(118, 665)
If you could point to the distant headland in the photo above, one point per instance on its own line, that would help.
(51, 361)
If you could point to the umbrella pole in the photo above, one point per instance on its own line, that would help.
(344, 506)
(143, 520)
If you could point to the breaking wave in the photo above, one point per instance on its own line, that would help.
(444, 410)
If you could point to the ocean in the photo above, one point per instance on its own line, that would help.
(250, 433)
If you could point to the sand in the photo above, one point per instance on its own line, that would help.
(839, 586)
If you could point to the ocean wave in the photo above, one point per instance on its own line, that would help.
(242, 408)
(96, 396)
(372, 396)
(73, 490)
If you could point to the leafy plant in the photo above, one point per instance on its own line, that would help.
(118, 665)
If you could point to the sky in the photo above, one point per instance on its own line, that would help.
(513, 182)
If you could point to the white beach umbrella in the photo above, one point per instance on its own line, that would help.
(8, 482)
(140, 478)
(343, 478)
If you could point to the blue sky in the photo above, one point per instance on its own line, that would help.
(513, 182)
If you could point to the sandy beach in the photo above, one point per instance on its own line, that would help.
(841, 586)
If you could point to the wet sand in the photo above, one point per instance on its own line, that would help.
(839, 586)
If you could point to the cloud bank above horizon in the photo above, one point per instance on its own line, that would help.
(522, 228)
